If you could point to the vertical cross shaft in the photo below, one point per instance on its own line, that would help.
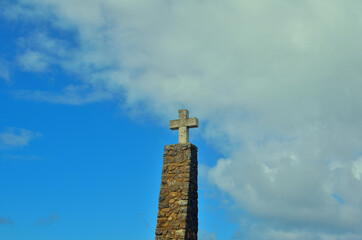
(183, 124)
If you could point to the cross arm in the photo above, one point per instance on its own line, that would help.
(174, 124)
(192, 122)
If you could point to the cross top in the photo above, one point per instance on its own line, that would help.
(183, 124)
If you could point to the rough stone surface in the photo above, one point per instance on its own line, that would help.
(183, 124)
(177, 209)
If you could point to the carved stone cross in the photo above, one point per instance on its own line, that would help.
(183, 124)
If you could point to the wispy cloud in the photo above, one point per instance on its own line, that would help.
(22, 11)
(41, 51)
(4, 71)
(17, 137)
(204, 235)
(6, 221)
(34, 61)
(48, 221)
(73, 95)
(19, 157)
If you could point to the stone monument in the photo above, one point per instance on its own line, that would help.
(177, 208)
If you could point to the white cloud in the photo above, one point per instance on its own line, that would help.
(276, 85)
(14, 137)
(357, 168)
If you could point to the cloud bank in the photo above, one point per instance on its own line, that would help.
(275, 83)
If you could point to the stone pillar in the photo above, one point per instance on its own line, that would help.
(177, 209)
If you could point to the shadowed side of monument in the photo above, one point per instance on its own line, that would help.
(177, 211)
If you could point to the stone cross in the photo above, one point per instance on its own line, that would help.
(183, 124)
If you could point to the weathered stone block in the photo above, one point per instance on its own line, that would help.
(177, 210)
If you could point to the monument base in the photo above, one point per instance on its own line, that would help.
(177, 209)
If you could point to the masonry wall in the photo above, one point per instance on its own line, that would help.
(177, 209)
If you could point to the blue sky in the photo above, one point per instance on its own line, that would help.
(83, 172)
(87, 89)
